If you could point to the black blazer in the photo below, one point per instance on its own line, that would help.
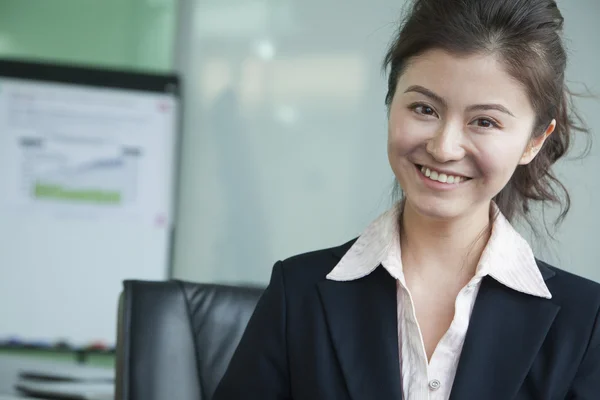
(311, 338)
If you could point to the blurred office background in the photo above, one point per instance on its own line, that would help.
(283, 136)
(285, 132)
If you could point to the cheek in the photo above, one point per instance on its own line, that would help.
(498, 162)
(405, 134)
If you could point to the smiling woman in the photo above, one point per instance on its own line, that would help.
(440, 298)
(441, 118)
(523, 40)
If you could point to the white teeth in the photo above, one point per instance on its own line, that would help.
(440, 177)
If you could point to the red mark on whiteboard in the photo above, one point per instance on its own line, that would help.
(164, 106)
(160, 221)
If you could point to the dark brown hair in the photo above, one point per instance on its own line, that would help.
(527, 36)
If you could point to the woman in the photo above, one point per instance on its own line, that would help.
(440, 298)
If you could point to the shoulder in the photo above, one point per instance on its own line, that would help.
(312, 267)
(571, 292)
(562, 283)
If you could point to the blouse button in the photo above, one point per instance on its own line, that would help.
(434, 384)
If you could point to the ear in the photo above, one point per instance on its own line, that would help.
(535, 145)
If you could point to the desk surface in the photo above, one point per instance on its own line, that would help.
(10, 367)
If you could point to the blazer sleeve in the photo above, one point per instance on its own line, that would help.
(586, 385)
(259, 369)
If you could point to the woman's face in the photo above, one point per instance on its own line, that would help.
(458, 128)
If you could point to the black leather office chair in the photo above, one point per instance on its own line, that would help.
(175, 339)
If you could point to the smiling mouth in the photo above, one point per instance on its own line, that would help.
(440, 176)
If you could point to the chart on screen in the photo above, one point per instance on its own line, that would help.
(87, 172)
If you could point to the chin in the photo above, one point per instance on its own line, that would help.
(435, 208)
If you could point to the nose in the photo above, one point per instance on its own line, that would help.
(447, 144)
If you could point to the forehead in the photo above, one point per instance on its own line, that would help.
(466, 80)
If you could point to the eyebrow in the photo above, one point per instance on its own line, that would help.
(428, 93)
(440, 100)
(487, 107)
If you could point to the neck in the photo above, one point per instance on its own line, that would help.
(443, 248)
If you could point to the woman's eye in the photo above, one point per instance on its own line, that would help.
(424, 110)
(485, 123)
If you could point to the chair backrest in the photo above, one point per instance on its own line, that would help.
(175, 339)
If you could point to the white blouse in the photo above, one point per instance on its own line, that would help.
(507, 258)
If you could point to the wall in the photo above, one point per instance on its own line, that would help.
(285, 134)
(284, 144)
(132, 34)
(576, 247)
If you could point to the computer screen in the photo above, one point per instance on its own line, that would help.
(87, 171)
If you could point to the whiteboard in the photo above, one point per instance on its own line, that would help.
(87, 168)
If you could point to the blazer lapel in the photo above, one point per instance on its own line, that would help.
(362, 321)
(506, 331)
